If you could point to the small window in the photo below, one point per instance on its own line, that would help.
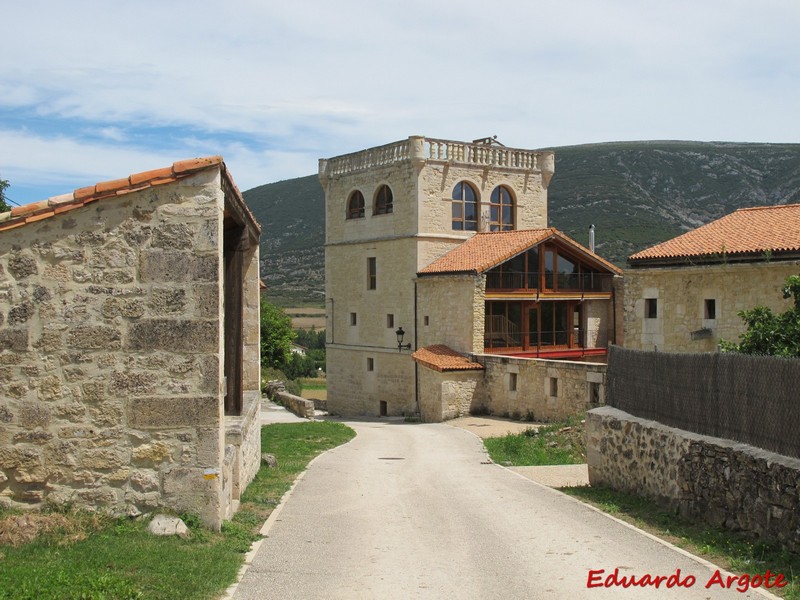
(594, 393)
(553, 386)
(512, 382)
(372, 273)
(464, 207)
(355, 205)
(390, 321)
(426, 320)
(353, 319)
(384, 201)
(370, 364)
(710, 308)
(651, 308)
(501, 210)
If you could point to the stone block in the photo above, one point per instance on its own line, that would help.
(177, 267)
(34, 414)
(50, 341)
(168, 301)
(19, 458)
(15, 340)
(103, 458)
(152, 454)
(206, 299)
(171, 412)
(123, 384)
(166, 525)
(97, 497)
(174, 335)
(21, 313)
(172, 236)
(96, 337)
(32, 437)
(144, 481)
(106, 414)
(93, 391)
(49, 388)
(130, 308)
(21, 266)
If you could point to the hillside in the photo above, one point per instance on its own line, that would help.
(636, 193)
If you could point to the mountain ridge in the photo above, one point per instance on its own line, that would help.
(636, 194)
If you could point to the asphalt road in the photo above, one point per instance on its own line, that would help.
(417, 511)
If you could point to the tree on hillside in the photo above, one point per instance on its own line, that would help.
(276, 336)
(768, 333)
(4, 207)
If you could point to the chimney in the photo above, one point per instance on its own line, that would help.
(591, 237)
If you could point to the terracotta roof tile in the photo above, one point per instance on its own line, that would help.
(483, 251)
(37, 211)
(442, 358)
(745, 231)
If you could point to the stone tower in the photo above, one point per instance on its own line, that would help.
(391, 211)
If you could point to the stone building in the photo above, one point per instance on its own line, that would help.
(684, 295)
(129, 345)
(438, 258)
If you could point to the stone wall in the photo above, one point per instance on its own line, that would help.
(546, 390)
(718, 481)
(111, 354)
(297, 405)
(681, 294)
(448, 395)
(451, 311)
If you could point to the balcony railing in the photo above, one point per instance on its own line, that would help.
(572, 282)
(422, 149)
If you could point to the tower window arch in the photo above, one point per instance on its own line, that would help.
(384, 201)
(355, 205)
(464, 207)
(501, 209)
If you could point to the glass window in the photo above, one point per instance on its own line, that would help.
(355, 205)
(384, 201)
(465, 207)
(501, 210)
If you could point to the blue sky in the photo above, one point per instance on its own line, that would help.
(92, 90)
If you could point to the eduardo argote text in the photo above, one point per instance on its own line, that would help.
(600, 578)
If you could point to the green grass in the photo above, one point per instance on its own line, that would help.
(555, 444)
(94, 557)
(725, 548)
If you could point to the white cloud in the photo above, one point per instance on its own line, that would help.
(278, 85)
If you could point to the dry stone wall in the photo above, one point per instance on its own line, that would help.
(110, 376)
(718, 481)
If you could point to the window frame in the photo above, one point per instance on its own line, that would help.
(499, 224)
(356, 212)
(372, 273)
(651, 308)
(383, 203)
(458, 199)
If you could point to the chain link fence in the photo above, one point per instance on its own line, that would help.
(749, 399)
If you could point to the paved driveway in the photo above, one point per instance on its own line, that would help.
(417, 511)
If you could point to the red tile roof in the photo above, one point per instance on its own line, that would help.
(483, 251)
(442, 358)
(773, 229)
(36, 211)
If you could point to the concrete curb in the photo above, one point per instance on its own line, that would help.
(265, 528)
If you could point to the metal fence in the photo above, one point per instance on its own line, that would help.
(749, 399)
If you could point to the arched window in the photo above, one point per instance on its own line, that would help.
(501, 210)
(465, 207)
(355, 205)
(383, 201)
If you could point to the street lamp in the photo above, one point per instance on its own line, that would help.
(400, 334)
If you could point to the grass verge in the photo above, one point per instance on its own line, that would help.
(721, 547)
(88, 556)
(553, 444)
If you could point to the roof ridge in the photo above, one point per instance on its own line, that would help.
(772, 207)
(42, 209)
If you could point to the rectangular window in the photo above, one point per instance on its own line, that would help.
(710, 308)
(370, 364)
(390, 321)
(426, 320)
(353, 319)
(512, 382)
(553, 386)
(372, 273)
(651, 308)
(594, 393)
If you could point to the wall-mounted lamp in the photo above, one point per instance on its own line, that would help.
(400, 334)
